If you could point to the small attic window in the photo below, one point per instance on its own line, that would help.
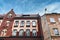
(9, 15)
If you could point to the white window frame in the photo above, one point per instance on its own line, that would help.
(1, 21)
(33, 23)
(9, 15)
(3, 32)
(56, 32)
(14, 32)
(27, 22)
(52, 20)
(16, 24)
(22, 24)
(34, 32)
(59, 19)
(27, 32)
(21, 32)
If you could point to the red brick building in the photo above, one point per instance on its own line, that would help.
(20, 27)
(51, 26)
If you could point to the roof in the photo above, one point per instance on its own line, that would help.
(51, 14)
(23, 16)
(20, 15)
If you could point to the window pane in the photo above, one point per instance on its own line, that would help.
(16, 23)
(34, 23)
(3, 32)
(22, 23)
(52, 20)
(28, 24)
(28, 32)
(14, 32)
(10, 15)
(56, 31)
(21, 32)
(59, 19)
(34, 33)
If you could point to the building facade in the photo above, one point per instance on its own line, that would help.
(20, 27)
(51, 26)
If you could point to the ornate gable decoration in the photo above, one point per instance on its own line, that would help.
(10, 14)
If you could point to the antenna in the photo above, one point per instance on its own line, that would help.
(45, 10)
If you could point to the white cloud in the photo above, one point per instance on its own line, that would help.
(54, 7)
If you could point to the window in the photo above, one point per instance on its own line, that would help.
(55, 31)
(3, 32)
(52, 20)
(28, 32)
(28, 24)
(16, 23)
(21, 32)
(59, 19)
(34, 32)
(8, 22)
(9, 15)
(22, 24)
(34, 23)
(0, 22)
(14, 32)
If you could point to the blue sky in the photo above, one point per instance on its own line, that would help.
(29, 6)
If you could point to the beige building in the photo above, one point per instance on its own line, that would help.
(51, 26)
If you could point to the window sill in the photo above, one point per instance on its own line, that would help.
(21, 26)
(27, 25)
(33, 26)
(52, 22)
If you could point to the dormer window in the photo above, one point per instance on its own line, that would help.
(10, 15)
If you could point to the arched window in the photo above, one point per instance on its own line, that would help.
(14, 32)
(3, 32)
(34, 32)
(21, 32)
(28, 32)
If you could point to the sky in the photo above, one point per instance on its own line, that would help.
(29, 6)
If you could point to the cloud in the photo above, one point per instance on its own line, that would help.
(53, 7)
(29, 6)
